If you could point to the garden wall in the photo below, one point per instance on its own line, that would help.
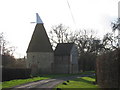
(108, 71)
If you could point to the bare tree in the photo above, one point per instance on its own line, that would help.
(4, 48)
(6, 52)
(3, 43)
(59, 34)
(110, 42)
(116, 26)
(85, 41)
(1, 37)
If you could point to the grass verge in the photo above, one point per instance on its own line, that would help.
(82, 82)
(9, 84)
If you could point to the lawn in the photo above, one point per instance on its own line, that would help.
(12, 83)
(8, 84)
(0, 85)
(82, 82)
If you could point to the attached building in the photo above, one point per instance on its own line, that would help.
(66, 58)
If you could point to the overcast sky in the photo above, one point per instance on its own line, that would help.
(16, 15)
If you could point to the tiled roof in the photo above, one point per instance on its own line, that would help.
(63, 49)
(39, 41)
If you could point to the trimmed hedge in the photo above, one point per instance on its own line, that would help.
(11, 74)
(87, 62)
(108, 71)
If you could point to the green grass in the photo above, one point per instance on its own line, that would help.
(12, 83)
(8, 84)
(82, 82)
(0, 85)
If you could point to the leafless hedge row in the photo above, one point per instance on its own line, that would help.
(108, 71)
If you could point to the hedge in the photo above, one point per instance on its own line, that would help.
(11, 74)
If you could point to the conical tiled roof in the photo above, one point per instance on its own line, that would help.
(39, 41)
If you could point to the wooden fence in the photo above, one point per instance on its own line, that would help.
(108, 71)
